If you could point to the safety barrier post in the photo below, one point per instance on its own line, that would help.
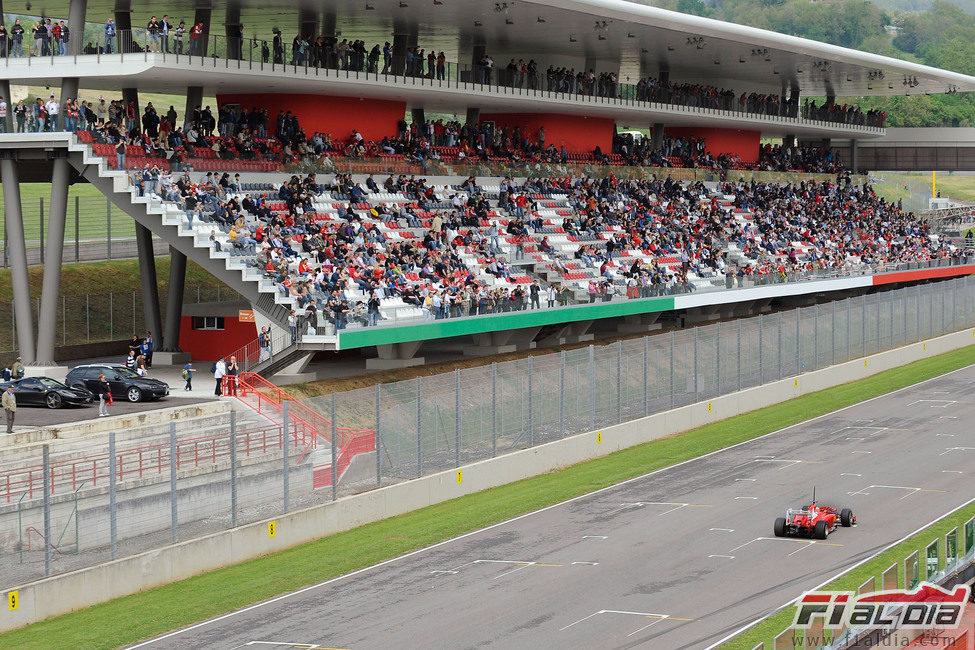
(419, 427)
(619, 381)
(335, 459)
(112, 504)
(672, 346)
(378, 438)
(284, 447)
(47, 510)
(646, 371)
(457, 416)
(531, 402)
(717, 357)
(696, 386)
(173, 493)
(233, 469)
(494, 410)
(562, 394)
(592, 388)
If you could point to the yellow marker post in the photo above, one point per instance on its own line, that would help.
(864, 363)
(709, 407)
(460, 476)
(13, 600)
(924, 347)
(599, 437)
(272, 528)
(797, 382)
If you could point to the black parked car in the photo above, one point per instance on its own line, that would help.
(124, 383)
(44, 391)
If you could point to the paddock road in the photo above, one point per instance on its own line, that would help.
(675, 559)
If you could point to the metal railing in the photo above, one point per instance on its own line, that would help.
(401, 430)
(253, 53)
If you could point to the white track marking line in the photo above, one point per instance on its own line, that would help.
(941, 403)
(861, 452)
(752, 498)
(644, 627)
(851, 474)
(730, 557)
(952, 471)
(584, 618)
(946, 435)
(746, 479)
(950, 449)
(586, 563)
(723, 530)
(595, 537)
(846, 569)
(588, 495)
(744, 545)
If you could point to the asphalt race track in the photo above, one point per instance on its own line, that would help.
(676, 559)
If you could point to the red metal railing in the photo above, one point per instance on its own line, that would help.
(143, 461)
(360, 442)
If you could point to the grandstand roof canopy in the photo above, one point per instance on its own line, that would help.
(640, 39)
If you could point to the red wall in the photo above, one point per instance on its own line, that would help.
(576, 132)
(207, 345)
(373, 118)
(744, 144)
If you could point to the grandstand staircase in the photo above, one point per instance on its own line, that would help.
(172, 226)
(312, 431)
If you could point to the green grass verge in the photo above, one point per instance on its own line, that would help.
(153, 612)
(768, 629)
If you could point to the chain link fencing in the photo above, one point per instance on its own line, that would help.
(139, 489)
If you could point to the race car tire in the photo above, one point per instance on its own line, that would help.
(846, 517)
(820, 531)
(779, 527)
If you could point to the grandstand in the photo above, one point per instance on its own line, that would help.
(531, 205)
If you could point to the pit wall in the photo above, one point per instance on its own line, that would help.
(71, 591)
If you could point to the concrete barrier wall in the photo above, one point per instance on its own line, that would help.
(68, 592)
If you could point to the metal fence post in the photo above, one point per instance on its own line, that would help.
(619, 381)
(233, 469)
(108, 227)
(672, 346)
(494, 409)
(738, 355)
(77, 230)
(173, 490)
(832, 335)
(87, 318)
(531, 401)
(335, 451)
(562, 394)
(863, 325)
(419, 427)
(890, 305)
(378, 437)
(47, 510)
(457, 417)
(112, 503)
(798, 339)
(696, 386)
(761, 349)
(816, 338)
(42, 226)
(717, 357)
(284, 448)
(646, 372)
(779, 353)
(592, 388)
(917, 315)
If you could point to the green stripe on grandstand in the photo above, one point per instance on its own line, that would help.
(766, 631)
(497, 322)
(150, 613)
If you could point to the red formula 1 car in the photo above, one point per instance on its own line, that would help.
(812, 521)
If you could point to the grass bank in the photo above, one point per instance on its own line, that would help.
(153, 612)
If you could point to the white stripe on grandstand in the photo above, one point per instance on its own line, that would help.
(685, 301)
(535, 512)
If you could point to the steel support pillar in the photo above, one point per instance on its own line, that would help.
(123, 26)
(47, 321)
(854, 156)
(404, 37)
(231, 26)
(17, 256)
(473, 115)
(203, 15)
(76, 23)
(308, 23)
(132, 95)
(150, 289)
(8, 122)
(328, 23)
(174, 301)
(657, 139)
(194, 99)
(418, 115)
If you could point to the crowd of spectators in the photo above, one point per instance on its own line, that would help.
(168, 35)
(636, 238)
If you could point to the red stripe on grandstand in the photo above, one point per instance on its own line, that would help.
(923, 274)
